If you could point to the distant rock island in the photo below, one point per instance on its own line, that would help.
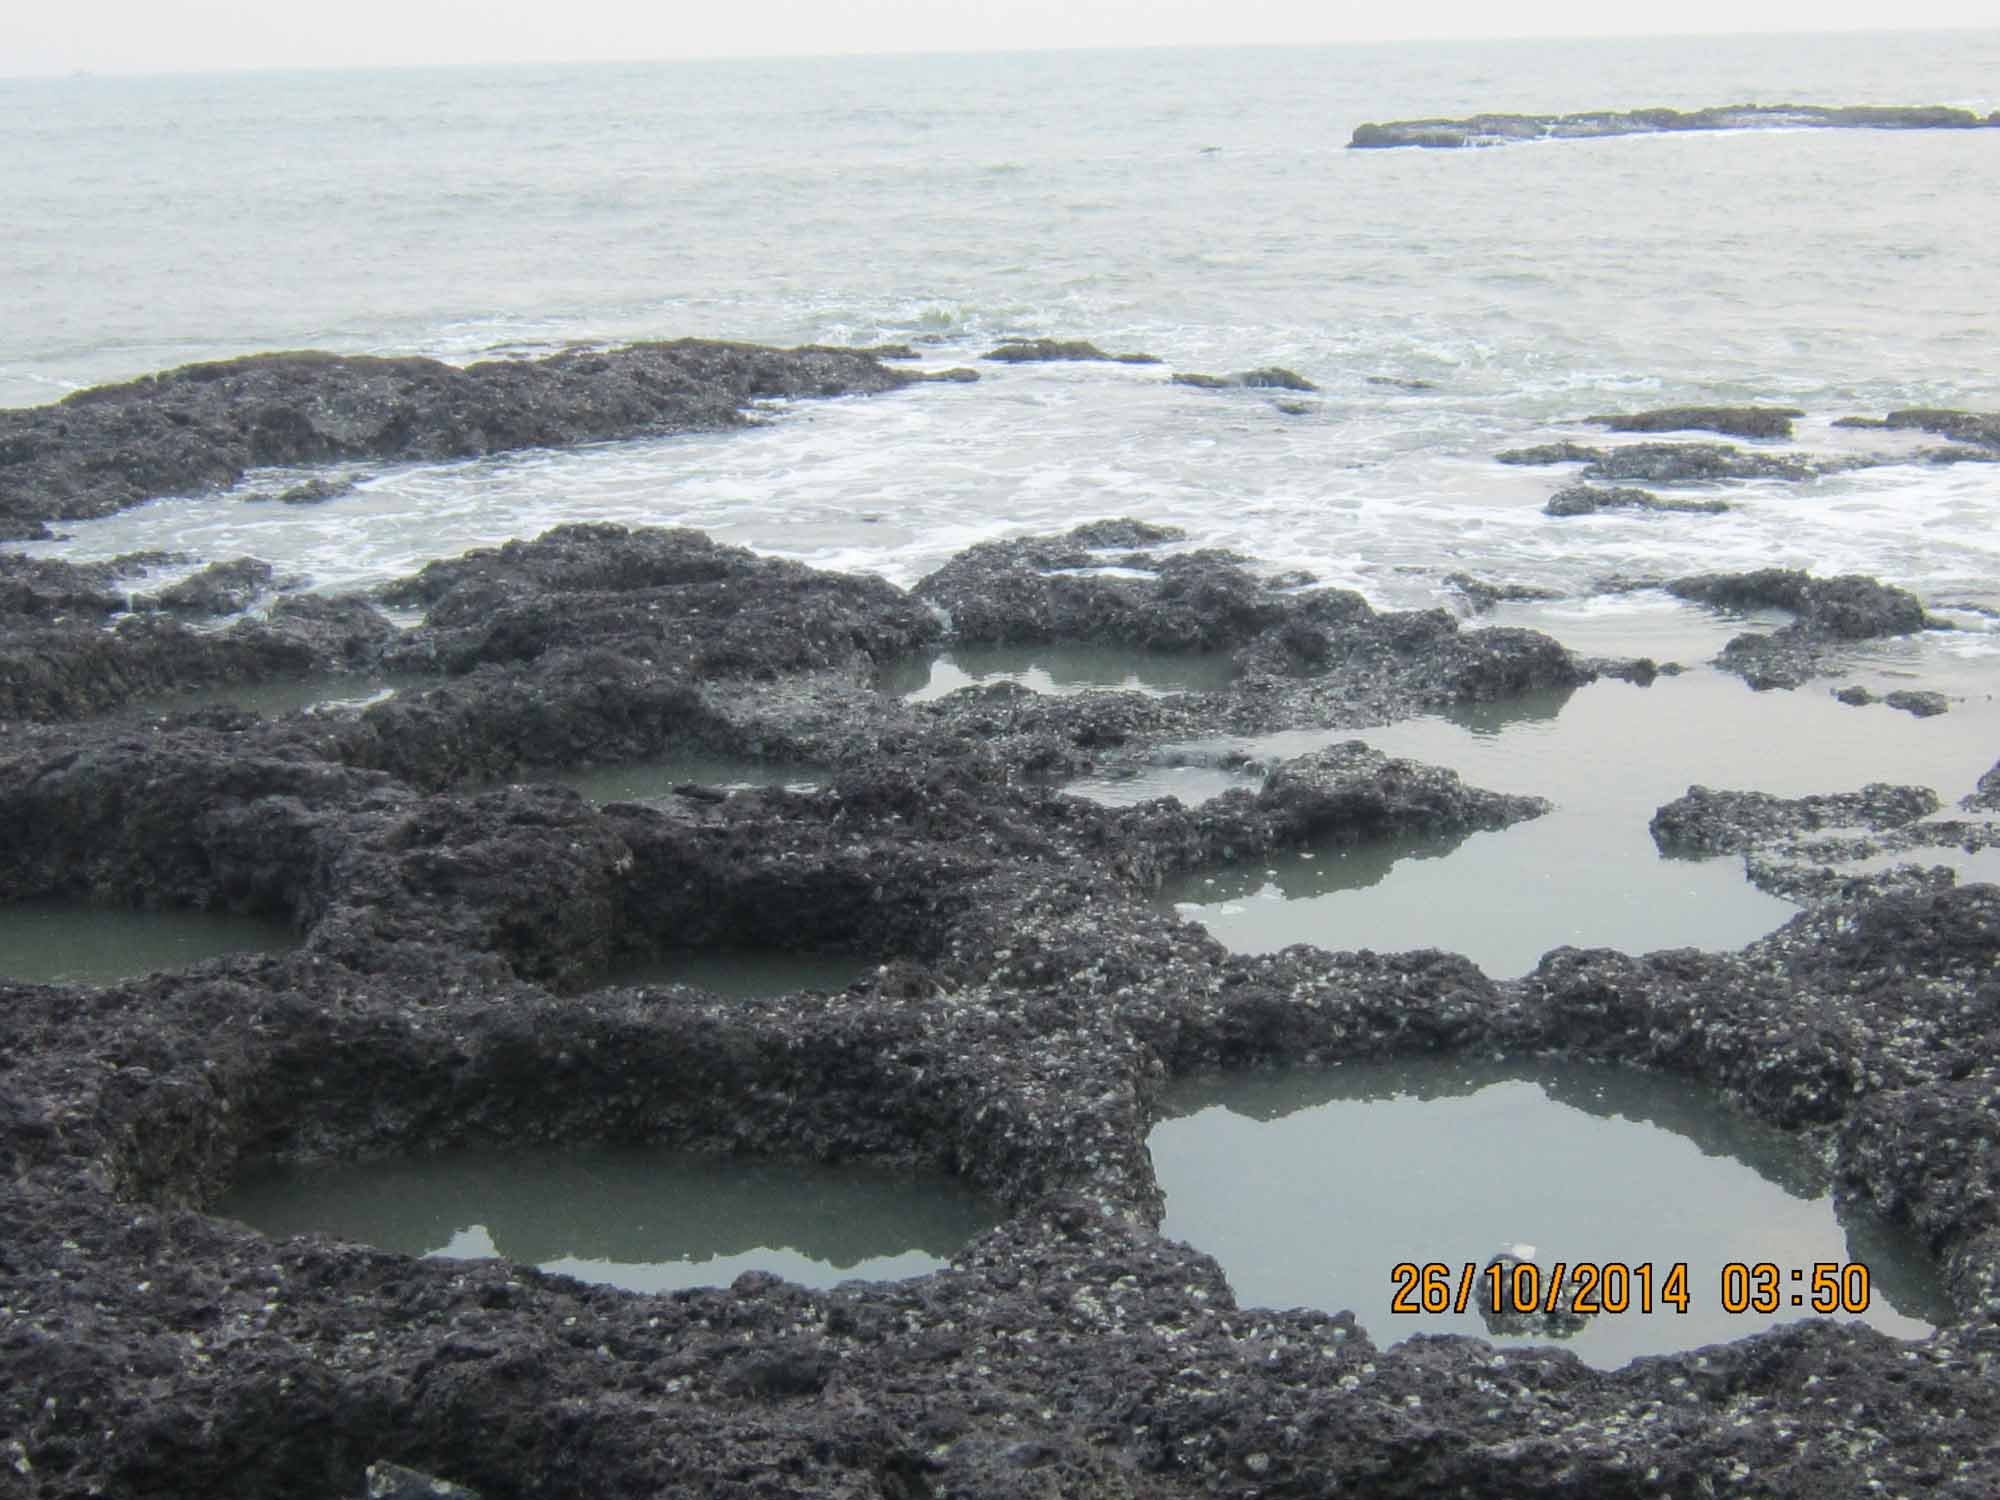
(1499, 130)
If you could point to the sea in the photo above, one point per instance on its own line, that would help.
(1199, 205)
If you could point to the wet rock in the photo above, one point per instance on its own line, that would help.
(1851, 607)
(387, 1481)
(1528, 1312)
(1357, 793)
(202, 426)
(1679, 463)
(1402, 384)
(1830, 611)
(656, 596)
(1033, 351)
(1564, 452)
(1585, 500)
(1986, 796)
(221, 588)
(1855, 696)
(1732, 421)
(1483, 594)
(1704, 821)
(1971, 427)
(1497, 129)
(1029, 1003)
(316, 491)
(1271, 378)
(1923, 704)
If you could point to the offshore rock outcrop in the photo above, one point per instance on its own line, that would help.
(1731, 421)
(201, 427)
(1274, 377)
(1976, 428)
(1032, 1001)
(1498, 130)
(1679, 463)
(1588, 500)
(1046, 351)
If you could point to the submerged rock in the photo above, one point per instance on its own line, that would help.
(1495, 130)
(1273, 378)
(1033, 351)
(1585, 500)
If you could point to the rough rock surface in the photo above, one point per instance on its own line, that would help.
(221, 588)
(1037, 351)
(1497, 130)
(1586, 500)
(1830, 612)
(201, 427)
(450, 990)
(1732, 421)
(1711, 822)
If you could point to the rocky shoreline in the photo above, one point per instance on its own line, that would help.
(203, 426)
(457, 921)
(1500, 130)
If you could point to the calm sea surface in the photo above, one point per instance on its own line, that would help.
(1199, 205)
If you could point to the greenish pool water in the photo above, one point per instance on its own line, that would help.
(326, 692)
(60, 942)
(744, 973)
(1058, 670)
(645, 1220)
(1311, 1186)
(1586, 874)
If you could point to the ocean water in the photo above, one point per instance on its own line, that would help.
(1195, 204)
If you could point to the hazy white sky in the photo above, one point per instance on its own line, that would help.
(38, 36)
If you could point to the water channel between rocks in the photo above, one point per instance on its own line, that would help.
(645, 1220)
(1058, 669)
(1309, 1187)
(320, 692)
(69, 942)
(1587, 873)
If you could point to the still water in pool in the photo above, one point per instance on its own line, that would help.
(66, 942)
(642, 1219)
(1311, 1186)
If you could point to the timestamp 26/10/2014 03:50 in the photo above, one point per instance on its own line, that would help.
(1522, 1287)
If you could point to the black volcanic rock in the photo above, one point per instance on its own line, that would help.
(1495, 130)
(1705, 821)
(1732, 421)
(1831, 611)
(1851, 607)
(658, 595)
(449, 992)
(202, 426)
(1585, 500)
(1038, 351)
(221, 588)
